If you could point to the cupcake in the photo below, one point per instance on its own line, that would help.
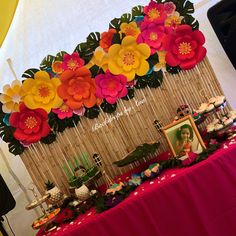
(219, 101)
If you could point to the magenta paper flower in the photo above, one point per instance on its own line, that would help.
(111, 87)
(64, 111)
(72, 62)
(155, 13)
(169, 8)
(152, 35)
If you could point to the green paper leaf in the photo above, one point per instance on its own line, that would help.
(50, 138)
(155, 79)
(47, 62)
(95, 70)
(189, 20)
(91, 113)
(116, 39)
(141, 82)
(115, 23)
(15, 147)
(137, 11)
(152, 60)
(184, 7)
(173, 69)
(126, 18)
(60, 55)
(130, 94)
(29, 73)
(108, 108)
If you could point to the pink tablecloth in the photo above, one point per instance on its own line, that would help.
(193, 201)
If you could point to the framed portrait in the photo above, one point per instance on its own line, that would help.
(183, 137)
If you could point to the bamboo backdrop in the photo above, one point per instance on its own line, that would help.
(126, 130)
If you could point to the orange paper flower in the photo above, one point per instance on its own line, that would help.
(106, 39)
(77, 88)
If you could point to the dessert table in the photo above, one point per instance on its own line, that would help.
(199, 201)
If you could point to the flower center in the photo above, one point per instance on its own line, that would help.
(153, 36)
(64, 108)
(154, 14)
(30, 122)
(44, 91)
(185, 48)
(129, 31)
(129, 58)
(72, 64)
(16, 98)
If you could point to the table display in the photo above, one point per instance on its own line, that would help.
(198, 200)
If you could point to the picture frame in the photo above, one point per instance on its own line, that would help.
(183, 137)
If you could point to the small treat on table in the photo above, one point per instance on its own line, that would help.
(218, 127)
(212, 100)
(227, 121)
(219, 100)
(210, 128)
(215, 121)
(202, 108)
(135, 180)
(115, 188)
(152, 171)
(210, 107)
(232, 115)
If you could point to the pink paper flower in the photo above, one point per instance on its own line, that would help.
(184, 47)
(155, 13)
(72, 62)
(111, 87)
(64, 111)
(152, 35)
(169, 8)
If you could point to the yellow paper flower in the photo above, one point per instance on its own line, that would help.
(41, 92)
(129, 58)
(173, 20)
(100, 58)
(162, 61)
(11, 97)
(130, 29)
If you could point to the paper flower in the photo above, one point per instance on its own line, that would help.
(64, 111)
(106, 39)
(41, 92)
(161, 65)
(77, 88)
(130, 29)
(173, 20)
(72, 62)
(100, 58)
(31, 125)
(169, 8)
(111, 87)
(57, 67)
(11, 97)
(152, 35)
(129, 58)
(154, 13)
(184, 47)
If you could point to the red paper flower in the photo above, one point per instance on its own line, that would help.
(184, 47)
(72, 62)
(31, 125)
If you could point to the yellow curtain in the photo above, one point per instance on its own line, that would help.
(7, 10)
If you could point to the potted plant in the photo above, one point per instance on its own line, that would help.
(55, 193)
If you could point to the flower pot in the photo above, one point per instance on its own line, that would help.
(92, 171)
(55, 195)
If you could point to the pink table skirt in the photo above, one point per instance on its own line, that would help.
(193, 201)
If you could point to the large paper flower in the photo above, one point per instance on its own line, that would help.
(31, 125)
(111, 87)
(77, 88)
(129, 58)
(100, 58)
(72, 62)
(106, 39)
(184, 47)
(155, 13)
(130, 29)
(152, 35)
(41, 92)
(11, 97)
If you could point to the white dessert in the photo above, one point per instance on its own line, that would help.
(219, 100)
(202, 108)
(210, 107)
(218, 126)
(210, 128)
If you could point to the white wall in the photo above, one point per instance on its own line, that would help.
(43, 27)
